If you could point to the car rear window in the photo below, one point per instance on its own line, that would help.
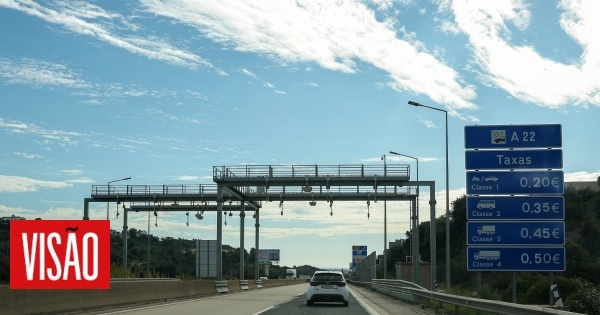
(331, 277)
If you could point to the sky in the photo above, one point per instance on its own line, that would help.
(162, 91)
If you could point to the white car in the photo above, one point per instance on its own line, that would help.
(327, 286)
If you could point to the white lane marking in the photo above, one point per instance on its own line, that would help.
(159, 304)
(266, 309)
(147, 307)
(364, 305)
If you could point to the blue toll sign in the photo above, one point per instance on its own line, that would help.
(515, 208)
(487, 258)
(515, 183)
(515, 233)
(513, 159)
(513, 136)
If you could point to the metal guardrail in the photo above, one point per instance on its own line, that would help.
(154, 189)
(221, 172)
(221, 286)
(144, 279)
(410, 292)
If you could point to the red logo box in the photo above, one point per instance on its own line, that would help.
(60, 254)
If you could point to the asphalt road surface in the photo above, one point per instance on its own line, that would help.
(288, 300)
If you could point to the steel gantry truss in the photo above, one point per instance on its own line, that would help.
(249, 186)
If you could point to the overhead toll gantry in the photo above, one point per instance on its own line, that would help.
(251, 185)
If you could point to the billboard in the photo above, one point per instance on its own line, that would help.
(206, 258)
(268, 256)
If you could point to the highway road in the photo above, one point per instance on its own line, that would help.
(289, 300)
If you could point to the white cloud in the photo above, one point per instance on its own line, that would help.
(51, 136)
(72, 172)
(51, 213)
(397, 158)
(28, 156)
(264, 83)
(428, 123)
(249, 73)
(16, 184)
(581, 177)
(188, 178)
(38, 73)
(520, 69)
(83, 180)
(334, 35)
(90, 20)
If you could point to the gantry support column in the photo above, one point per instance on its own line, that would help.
(219, 232)
(124, 235)
(256, 228)
(416, 261)
(242, 249)
(432, 235)
(86, 208)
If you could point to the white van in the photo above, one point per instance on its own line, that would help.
(486, 204)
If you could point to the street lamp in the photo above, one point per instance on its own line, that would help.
(415, 224)
(108, 192)
(448, 285)
(384, 221)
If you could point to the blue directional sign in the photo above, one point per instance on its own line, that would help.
(487, 258)
(513, 159)
(515, 233)
(515, 208)
(359, 252)
(513, 136)
(515, 183)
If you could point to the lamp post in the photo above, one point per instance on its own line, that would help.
(448, 282)
(384, 221)
(108, 192)
(414, 222)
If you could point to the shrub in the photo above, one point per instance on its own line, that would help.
(586, 300)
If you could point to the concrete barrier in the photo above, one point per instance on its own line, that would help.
(234, 285)
(222, 286)
(252, 284)
(122, 292)
(244, 285)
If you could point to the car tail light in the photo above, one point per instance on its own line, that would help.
(342, 284)
(314, 284)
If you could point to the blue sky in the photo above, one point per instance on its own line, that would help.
(162, 91)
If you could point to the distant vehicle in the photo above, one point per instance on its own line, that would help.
(327, 286)
(486, 229)
(486, 204)
(263, 278)
(489, 178)
(290, 274)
